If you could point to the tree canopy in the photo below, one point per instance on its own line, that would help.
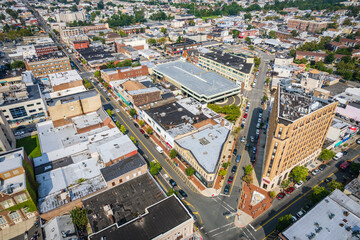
(299, 173)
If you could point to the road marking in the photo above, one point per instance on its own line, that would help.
(250, 233)
(301, 196)
(219, 227)
(245, 234)
(223, 205)
(224, 231)
(357, 146)
(242, 155)
(269, 235)
(252, 227)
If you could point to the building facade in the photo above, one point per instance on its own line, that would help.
(7, 138)
(114, 74)
(49, 63)
(45, 49)
(297, 130)
(308, 26)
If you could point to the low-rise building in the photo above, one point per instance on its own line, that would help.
(235, 68)
(44, 49)
(113, 74)
(185, 44)
(65, 83)
(60, 227)
(48, 63)
(306, 25)
(17, 188)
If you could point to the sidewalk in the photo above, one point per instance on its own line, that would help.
(17, 229)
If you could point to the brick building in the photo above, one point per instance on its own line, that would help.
(306, 26)
(45, 49)
(314, 56)
(137, 94)
(113, 74)
(80, 44)
(176, 48)
(16, 201)
(48, 63)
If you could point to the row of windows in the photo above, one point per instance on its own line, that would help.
(49, 63)
(10, 202)
(50, 71)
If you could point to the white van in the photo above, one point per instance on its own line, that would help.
(338, 156)
(159, 149)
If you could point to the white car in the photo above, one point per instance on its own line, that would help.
(300, 214)
(257, 131)
(252, 138)
(259, 120)
(260, 115)
(316, 171)
(243, 139)
(299, 184)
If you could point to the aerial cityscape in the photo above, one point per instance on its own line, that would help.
(179, 120)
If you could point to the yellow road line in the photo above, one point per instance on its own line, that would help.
(238, 170)
(269, 235)
(299, 198)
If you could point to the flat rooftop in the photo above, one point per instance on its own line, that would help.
(33, 93)
(173, 114)
(335, 217)
(230, 60)
(64, 77)
(72, 98)
(199, 81)
(206, 145)
(126, 201)
(53, 55)
(294, 104)
(160, 218)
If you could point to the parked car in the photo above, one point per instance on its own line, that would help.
(20, 127)
(300, 213)
(183, 195)
(290, 190)
(238, 157)
(243, 121)
(146, 136)
(142, 131)
(254, 150)
(235, 152)
(18, 133)
(233, 170)
(230, 180)
(345, 153)
(245, 115)
(327, 180)
(338, 156)
(172, 183)
(314, 172)
(299, 184)
(226, 189)
(253, 158)
(293, 218)
(257, 126)
(136, 125)
(281, 195)
(252, 138)
(308, 178)
(257, 131)
(247, 147)
(358, 141)
(243, 139)
(322, 167)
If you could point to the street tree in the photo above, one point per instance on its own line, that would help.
(326, 154)
(97, 74)
(122, 129)
(299, 173)
(132, 112)
(173, 153)
(284, 222)
(318, 194)
(141, 123)
(222, 173)
(335, 185)
(285, 183)
(272, 194)
(189, 171)
(248, 179)
(78, 217)
(149, 130)
(155, 167)
(248, 169)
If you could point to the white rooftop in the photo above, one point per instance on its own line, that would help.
(64, 77)
(54, 228)
(335, 217)
(206, 145)
(11, 159)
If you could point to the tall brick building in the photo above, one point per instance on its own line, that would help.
(306, 26)
(297, 129)
(113, 74)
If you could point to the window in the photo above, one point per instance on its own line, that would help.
(7, 175)
(113, 183)
(21, 198)
(38, 103)
(134, 175)
(18, 112)
(8, 203)
(14, 215)
(16, 172)
(2, 220)
(31, 111)
(40, 109)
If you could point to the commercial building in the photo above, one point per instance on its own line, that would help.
(65, 83)
(203, 150)
(49, 63)
(315, 56)
(296, 132)
(16, 188)
(44, 49)
(204, 86)
(235, 68)
(185, 44)
(335, 217)
(70, 16)
(306, 25)
(113, 74)
(60, 227)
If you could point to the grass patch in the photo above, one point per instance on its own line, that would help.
(31, 145)
(232, 112)
(29, 203)
(212, 17)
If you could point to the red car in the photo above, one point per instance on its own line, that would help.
(230, 180)
(245, 115)
(142, 131)
(281, 195)
(290, 190)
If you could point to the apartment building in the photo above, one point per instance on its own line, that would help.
(306, 26)
(7, 138)
(113, 74)
(235, 68)
(45, 49)
(48, 63)
(16, 203)
(297, 129)
(70, 16)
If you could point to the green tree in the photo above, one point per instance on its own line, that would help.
(122, 129)
(155, 167)
(257, 61)
(247, 16)
(97, 74)
(285, 183)
(248, 40)
(330, 58)
(151, 41)
(132, 112)
(171, 192)
(355, 167)
(318, 194)
(225, 165)
(191, 23)
(149, 130)
(272, 194)
(50, 19)
(272, 34)
(132, 138)
(335, 185)
(299, 173)
(326, 154)
(17, 65)
(347, 22)
(173, 153)
(189, 171)
(110, 112)
(292, 52)
(78, 217)
(73, 8)
(265, 98)
(294, 33)
(248, 179)
(222, 173)
(141, 123)
(163, 30)
(284, 222)
(100, 5)
(248, 169)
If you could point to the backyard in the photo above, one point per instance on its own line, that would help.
(31, 145)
